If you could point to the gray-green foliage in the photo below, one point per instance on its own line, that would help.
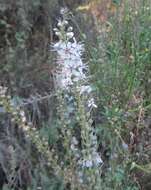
(121, 72)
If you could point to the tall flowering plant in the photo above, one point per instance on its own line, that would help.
(76, 100)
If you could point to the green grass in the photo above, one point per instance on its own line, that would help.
(119, 77)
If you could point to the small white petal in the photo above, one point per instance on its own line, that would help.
(70, 28)
(91, 103)
(87, 163)
(70, 35)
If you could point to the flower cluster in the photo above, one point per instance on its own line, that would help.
(93, 158)
(72, 67)
(72, 75)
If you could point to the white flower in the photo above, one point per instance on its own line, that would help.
(64, 11)
(71, 65)
(58, 33)
(91, 103)
(65, 22)
(22, 113)
(74, 140)
(97, 159)
(93, 161)
(70, 35)
(55, 29)
(72, 72)
(88, 163)
(60, 23)
(70, 29)
(74, 144)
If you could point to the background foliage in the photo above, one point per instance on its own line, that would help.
(118, 49)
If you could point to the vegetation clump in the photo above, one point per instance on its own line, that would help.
(75, 116)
